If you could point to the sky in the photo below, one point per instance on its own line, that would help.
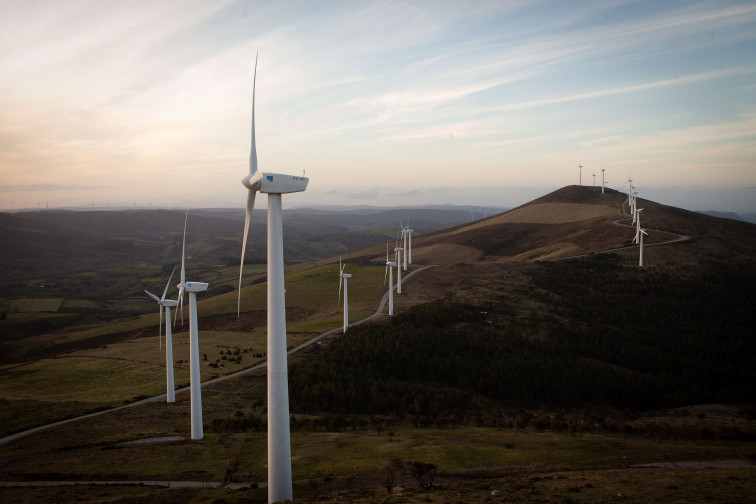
(385, 103)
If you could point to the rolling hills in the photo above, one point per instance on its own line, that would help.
(536, 322)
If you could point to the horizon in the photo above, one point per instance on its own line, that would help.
(489, 104)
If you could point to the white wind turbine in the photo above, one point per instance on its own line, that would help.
(390, 271)
(195, 385)
(603, 184)
(166, 304)
(634, 204)
(398, 257)
(343, 277)
(594, 179)
(409, 243)
(580, 167)
(639, 238)
(404, 244)
(637, 224)
(279, 437)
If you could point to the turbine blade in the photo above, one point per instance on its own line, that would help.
(169, 283)
(181, 302)
(385, 273)
(247, 221)
(153, 296)
(341, 278)
(160, 332)
(253, 149)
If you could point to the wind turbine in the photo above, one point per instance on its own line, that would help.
(279, 436)
(166, 304)
(409, 241)
(195, 386)
(404, 244)
(639, 238)
(603, 184)
(637, 224)
(343, 277)
(580, 167)
(594, 179)
(390, 271)
(398, 257)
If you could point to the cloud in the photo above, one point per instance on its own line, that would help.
(646, 86)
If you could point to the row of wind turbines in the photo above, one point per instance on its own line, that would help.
(604, 182)
(279, 437)
(399, 262)
(632, 203)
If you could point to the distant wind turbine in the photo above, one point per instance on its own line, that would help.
(603, 183)
(398, 257)
(279, 436)
(404, 244)
(594, 179)
(390, 271)
(343, 277)
(166, 305)
(637, 224)
(640, 233)
(195, 385)
(580, 168)
(409, 242)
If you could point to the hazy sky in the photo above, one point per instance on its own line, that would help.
(382, 103)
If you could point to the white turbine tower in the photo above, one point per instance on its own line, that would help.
(195, 385)
(390, 271)
(603, 184)
(580, 167)
(404, 244)
(398, 257)
(343, 277)
(166, 304)
(594, 179)
(279, 436)
(639, 238)
(409, 243)
(637, 224)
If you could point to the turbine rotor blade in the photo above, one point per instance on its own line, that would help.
(160, 332)
(153, 296)
(169, 283)
(341, 279)
(247, 222)
(253, 149)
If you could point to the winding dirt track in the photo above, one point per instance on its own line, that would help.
(619, 222)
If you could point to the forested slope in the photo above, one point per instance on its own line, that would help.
(611, 335)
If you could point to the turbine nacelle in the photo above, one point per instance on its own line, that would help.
(193, 286)
(275, 183)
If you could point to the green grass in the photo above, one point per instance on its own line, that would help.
(36, 305)
(81, 303)
(83, 379)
